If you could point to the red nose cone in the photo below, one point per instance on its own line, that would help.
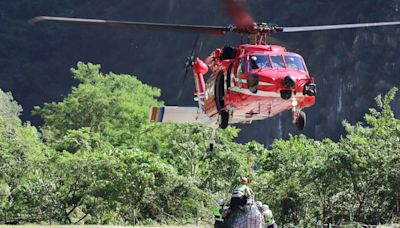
(200, 67)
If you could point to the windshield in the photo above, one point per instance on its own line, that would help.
(294, 62)
(259, 61)
(277, 61)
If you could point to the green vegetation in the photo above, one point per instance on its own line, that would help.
(96, 160)
(356, 178)
(34, 59)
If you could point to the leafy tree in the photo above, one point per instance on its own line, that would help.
(153, 189)
(80, 185)
(21, 153)
(307, 181)
(372, 158)
(109, 113)
(104, 164)
(114, 106)
(285, 167)
(185, 146)
(8, 107)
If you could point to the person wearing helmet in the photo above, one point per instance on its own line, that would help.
(219, 214)
(268, 217)
(240, 195)
(259, 205)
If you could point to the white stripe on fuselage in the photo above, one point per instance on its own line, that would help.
(244, 81)
(260, 92)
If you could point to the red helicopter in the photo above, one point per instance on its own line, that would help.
(251, 81)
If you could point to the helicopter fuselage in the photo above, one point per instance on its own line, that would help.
(253, 82)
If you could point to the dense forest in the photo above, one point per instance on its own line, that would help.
(351, 67)
(96, 160)
(79, 149)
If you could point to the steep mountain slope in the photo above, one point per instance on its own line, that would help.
(351, 67)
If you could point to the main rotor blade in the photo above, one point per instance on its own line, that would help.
(215, 30)
(340, 26)
(239, 14)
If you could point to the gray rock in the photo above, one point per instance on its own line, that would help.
(249, 217)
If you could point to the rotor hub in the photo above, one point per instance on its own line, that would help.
(257, 28)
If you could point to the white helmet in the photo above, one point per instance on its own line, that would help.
(221, 202)
(259, 204)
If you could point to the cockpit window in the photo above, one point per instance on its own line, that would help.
(294, 62)
(259, 61)
(277, 61)
(240, 68)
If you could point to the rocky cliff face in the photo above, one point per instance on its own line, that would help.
(351, 67)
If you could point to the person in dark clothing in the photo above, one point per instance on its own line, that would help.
(240, 195)
(219, 213)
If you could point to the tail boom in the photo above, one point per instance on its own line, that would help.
(177, 114)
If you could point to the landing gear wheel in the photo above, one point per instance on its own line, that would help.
(219, 92)
(300, 121)
(223, 119)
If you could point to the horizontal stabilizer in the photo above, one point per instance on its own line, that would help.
(174, 114)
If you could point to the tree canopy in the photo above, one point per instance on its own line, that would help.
(97, 160)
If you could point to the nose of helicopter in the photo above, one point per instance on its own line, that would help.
(286, 83)
(285, 79)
